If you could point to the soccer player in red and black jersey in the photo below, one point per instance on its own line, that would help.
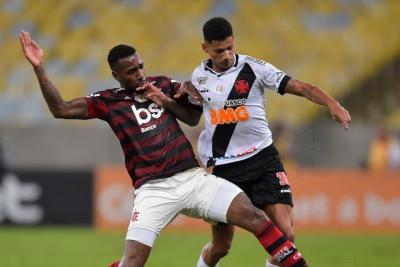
(160, 160)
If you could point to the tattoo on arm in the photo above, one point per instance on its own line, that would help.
(58, 107)
(49, 91)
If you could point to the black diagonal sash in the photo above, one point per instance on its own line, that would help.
(223, 132)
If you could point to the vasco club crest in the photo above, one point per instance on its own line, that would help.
(242, 87)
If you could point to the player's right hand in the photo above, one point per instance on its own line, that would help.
(31, 49)
(153, 93)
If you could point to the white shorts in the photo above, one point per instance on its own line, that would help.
(194, 193)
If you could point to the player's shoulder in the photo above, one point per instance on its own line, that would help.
(204, 65)
(253, 61)
(159, 78)
(201, 69)
(258, 65)
(106, 92)
(201, 74)
(164, 82)
(197, 71)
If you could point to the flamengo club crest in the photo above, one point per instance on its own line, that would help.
(135, 216)
(140, 99)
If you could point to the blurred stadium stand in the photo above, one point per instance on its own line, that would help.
(349, 48)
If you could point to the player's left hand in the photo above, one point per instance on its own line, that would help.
(31, 49)
(340, 114)
(153, 93)
(187, 88)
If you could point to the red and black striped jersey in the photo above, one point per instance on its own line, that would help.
(154, 144)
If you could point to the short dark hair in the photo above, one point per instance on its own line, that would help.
(118, 52)
(217, 29)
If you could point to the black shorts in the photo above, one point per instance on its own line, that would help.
(262, 177)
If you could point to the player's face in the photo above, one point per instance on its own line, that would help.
(129, 72)
(222, 53)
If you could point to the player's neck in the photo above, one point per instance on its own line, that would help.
(132, 91)
(219, 70)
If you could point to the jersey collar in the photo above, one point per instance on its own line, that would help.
(208, 66)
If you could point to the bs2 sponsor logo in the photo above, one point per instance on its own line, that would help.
(144, 115)
(229, 115)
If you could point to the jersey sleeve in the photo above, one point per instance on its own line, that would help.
(273, 78)
(167, 85)
(175, 85)
(198, 80)
(97, 107)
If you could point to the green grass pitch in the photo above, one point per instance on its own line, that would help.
(66, 247)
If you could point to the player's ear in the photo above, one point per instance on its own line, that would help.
(115, 75)
(204, 46)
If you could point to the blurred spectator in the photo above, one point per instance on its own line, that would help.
(384, 151)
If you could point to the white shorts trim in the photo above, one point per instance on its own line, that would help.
(143, 236)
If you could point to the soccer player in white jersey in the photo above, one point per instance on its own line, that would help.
(237, 140)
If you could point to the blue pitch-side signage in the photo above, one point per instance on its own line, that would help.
(46, 197)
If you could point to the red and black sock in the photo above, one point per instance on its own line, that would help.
(281, 248)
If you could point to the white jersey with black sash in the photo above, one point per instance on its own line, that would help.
(234, 108)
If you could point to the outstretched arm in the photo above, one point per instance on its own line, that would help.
(183, 112)
(74, 109)
(319, 96)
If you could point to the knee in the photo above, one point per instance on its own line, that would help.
(260, 215)
(219, 253)
(259, 219)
